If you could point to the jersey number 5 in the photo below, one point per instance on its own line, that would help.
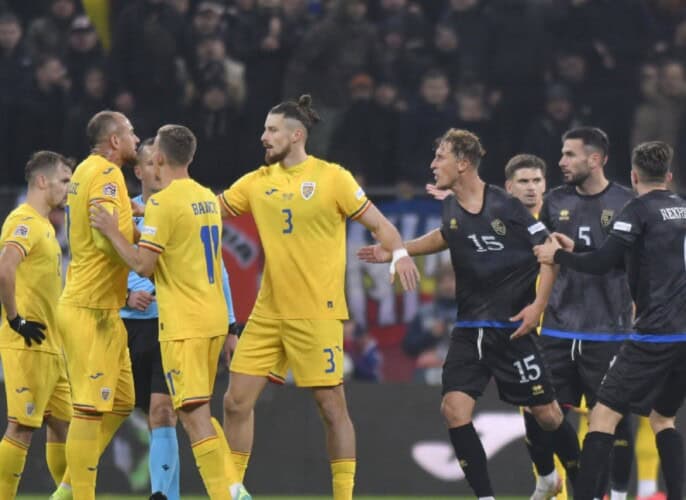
(209, 235)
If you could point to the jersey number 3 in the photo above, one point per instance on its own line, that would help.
(209, 235)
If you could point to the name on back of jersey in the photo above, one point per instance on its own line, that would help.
(673, 213)
(204, 207)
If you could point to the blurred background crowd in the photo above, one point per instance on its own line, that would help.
(387, 77)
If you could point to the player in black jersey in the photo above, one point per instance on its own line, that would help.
(587, 317)
(648, 237)
(490, 236)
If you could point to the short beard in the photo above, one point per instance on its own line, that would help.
(274, 158)
(576, 180)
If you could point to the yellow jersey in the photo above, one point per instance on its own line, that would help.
(300, 213)
(183, 224)
(96, 277)
(38, 280)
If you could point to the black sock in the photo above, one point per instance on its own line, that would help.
(603, 479)
(595, 454)
(566, 446)
(540, 445)
(622, 455)
(670, 447)
(472, 457)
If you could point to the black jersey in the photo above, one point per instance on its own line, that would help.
(584, 306)
(491, 253)
(654, 227)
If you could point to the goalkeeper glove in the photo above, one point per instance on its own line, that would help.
(30, 330)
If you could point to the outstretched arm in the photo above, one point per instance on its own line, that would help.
(390, 241)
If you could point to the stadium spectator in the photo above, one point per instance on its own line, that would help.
(365, 140)
(543, 136)
(49, 34)
(15, 77)
(42, 113)
(212, 62)
(343, 44)
(433, 113)
(83, 52)
(94, 99)
(151, 43)
(214, 120)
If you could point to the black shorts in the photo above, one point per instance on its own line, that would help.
(646, 376)
(477, 354)
(577, 367)
(146, 360)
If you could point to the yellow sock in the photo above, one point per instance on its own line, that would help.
(209, 458)
(12, 460)
(66, 479)
(647, 459)
(240, 461)
(83, 454)
(57, 461)
(230, 469)
(110, 423)
(343, 474)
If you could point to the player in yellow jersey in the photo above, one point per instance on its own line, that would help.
(88, 319)
(31, 349)
(300, 205)
(179, 244)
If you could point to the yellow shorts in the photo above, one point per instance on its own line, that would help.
(98, 362)
(311, 348)
(36, 386)
(190, 367)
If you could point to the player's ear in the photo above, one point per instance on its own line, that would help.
(508, 186)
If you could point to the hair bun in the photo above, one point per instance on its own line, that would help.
(305, 101)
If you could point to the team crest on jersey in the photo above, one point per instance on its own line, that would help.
(30, 408)
(453, 224)
(22, 231)
(499, 227)
(307, 189)
(537, 390)
(105, 393)
(606, 217)
(110, 189)
(564, 214)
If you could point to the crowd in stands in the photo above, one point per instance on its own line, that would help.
(388, 76)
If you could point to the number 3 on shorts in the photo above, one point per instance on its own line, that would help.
(332, 363)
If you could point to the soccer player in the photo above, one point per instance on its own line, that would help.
(88, 311)
(300, 204)
(36, 382)
(490, 236)
(649, 373)
(140, 317)
(179, 245)
(587, 317)
(525, 180)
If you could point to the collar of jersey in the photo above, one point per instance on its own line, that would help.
(295, 169)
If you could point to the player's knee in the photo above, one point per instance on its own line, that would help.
(236, 405)
(659, 422)
(162, 414)
(19, 432)
(454, 413)
(549, 416)
(332, 408)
